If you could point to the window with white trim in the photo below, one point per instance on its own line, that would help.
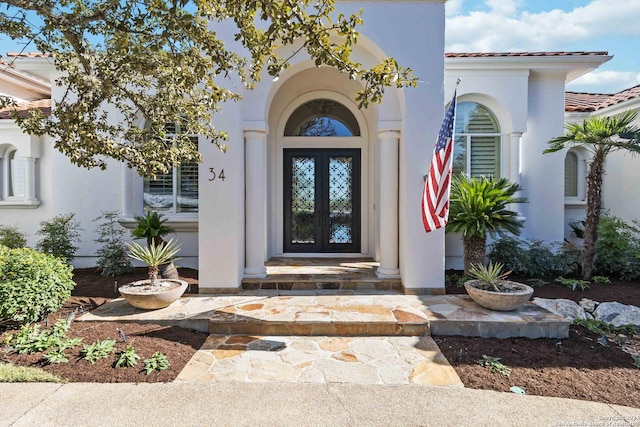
(571, 175)
(477, 141)
(176, 191)
(13, 177)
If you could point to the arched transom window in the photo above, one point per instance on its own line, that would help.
(477, 147)
(322, 117)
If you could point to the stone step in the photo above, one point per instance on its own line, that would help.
(321, 359)
(340, 313)
(322, 283)
(318, 314)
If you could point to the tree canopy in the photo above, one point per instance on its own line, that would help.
(162, 61)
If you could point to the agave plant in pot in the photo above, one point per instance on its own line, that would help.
(154, 292)
(491, 289)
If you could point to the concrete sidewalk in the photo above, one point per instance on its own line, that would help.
(283, 404)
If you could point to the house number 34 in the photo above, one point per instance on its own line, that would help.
(214, 175)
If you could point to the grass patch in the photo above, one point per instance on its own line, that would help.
(20, 374)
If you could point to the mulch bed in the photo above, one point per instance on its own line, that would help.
(578, 367)
(91, 291)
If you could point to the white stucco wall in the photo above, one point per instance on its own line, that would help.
(620, 190)
(542, 175)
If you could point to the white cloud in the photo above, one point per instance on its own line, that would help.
(505, 28)
(502, 7)
(453, 7)
(606, 81)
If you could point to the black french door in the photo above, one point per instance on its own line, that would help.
(322, 200)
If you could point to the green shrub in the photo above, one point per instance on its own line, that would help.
(98, 350)
(574, 284)
(32, 284)
(127, 358)
(157, 362)
(112, 255)
(12, 237)
(618, 248)
(534, 258)
(59, 237)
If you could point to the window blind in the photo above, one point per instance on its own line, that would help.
(571, 175)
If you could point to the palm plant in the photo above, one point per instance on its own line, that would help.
(478, 208)
(152, 227)
(154, 255)
(601, 136)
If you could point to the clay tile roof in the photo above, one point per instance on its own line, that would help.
(43, 104)
(621, 96)
(516, 54)
(28, 54)
(588, 102)
(577, 102)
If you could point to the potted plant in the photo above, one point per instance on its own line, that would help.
(479, 208)
(154, 292)
(152, 227)
(491, 290)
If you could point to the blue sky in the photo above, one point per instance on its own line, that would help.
(553, 25)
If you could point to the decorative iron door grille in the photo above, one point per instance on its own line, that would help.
(322, 200)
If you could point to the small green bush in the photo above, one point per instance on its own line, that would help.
(59, 236)
(98, 350)
(32, 284)
(12, 237)
(618, 248)
(157, 362)
(534, 258)
(112, 255)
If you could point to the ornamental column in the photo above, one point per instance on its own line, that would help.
(515, 140)
(388, 141)
(29, 179)
(255, 202)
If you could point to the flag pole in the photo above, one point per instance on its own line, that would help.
(437, 186)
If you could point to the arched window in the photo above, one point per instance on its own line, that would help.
(477, 144)
(322, 117)
(12, 167)
(176, 191)
(571, 175)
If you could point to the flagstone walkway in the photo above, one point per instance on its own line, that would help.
(356, 336)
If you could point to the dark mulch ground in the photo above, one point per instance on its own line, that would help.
(93, 290)
(577, 367)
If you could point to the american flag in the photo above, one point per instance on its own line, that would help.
(435, 197)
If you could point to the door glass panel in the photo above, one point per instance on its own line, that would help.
(340, 200)
(303, 200)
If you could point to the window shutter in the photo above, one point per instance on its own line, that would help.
(17, 171)
(158, 193)
(187, 187)
(484, 156)
(571, 175)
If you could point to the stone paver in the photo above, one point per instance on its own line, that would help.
(314, 359)
(286, 274)
(344, 314)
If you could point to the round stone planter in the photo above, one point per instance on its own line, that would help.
(500, 301)
(141, 294)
